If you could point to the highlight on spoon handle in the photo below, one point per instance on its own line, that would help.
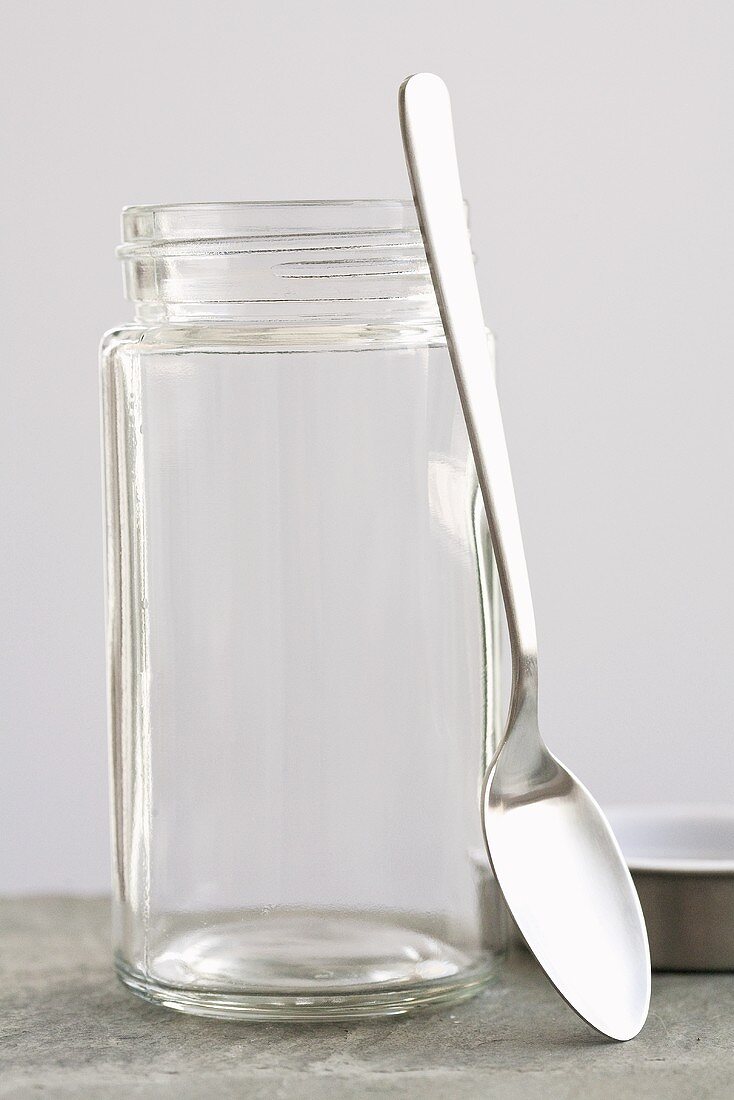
(430, 152)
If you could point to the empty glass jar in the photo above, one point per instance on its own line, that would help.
(301, 620)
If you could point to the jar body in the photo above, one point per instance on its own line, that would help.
(301, 644)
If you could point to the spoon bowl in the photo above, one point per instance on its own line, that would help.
(567, 885)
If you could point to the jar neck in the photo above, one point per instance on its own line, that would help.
(278, 263)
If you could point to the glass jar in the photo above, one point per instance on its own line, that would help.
(301, 620)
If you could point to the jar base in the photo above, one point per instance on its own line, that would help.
(305, 966)
(322, 1007)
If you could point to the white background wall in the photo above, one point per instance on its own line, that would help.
(598, 158)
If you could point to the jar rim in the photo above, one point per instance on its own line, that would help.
(158, 224)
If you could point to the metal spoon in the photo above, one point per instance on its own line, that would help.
(554, 855)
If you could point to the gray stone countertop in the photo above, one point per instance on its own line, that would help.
(67, 1029)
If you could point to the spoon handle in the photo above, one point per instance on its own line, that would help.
(430, 152)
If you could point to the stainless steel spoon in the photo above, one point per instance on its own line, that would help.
(554, 855)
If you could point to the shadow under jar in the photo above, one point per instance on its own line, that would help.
(301, 620)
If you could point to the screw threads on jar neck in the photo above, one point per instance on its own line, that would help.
(279, 262)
